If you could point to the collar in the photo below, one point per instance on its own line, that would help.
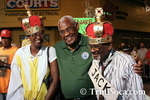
(110, 57)
(28, 52)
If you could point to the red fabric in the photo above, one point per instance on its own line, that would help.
(5, 33)
(34, 21)
(90, 31)
(107, 30)
(148, 55)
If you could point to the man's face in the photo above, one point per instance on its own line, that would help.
(37, 38)
(99, 52)
(142, 45)
(68, 32)
(6, 41)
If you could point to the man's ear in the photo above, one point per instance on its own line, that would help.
(110, 46)
(77, 26)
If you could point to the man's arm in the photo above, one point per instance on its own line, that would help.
(134, 85)
(3, 64)
(54, 83)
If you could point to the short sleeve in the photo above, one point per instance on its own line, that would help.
(52, 54)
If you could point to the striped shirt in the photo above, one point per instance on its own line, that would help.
(28, 72)
(120, 74)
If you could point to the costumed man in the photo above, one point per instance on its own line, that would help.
(111, 70)
(30, 65)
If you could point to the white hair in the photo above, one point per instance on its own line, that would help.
(67, 17)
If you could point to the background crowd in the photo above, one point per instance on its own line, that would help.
(139, 51)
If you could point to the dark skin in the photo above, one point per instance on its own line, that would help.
(6, 43)
(69, 33)
(36, 43)
(104, 50)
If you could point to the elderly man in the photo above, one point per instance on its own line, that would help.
(115, 67)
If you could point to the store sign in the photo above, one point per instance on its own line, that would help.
(83, 22)
(33, 4)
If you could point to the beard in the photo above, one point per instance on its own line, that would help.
(98, 58)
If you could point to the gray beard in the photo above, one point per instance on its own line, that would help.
(99, 57)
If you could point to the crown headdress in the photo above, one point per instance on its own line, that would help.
(32, 24)
(99, 32)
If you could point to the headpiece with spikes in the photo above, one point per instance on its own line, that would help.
(32, 24)
(99, 32)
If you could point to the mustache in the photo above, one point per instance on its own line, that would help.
(66, 37)
(95, 52)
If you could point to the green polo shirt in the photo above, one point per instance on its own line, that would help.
(73, 68)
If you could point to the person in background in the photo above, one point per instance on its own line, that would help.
(120, 48)
(126, 49)
(30, 65)
(7, 53)
(0, 42)
(74, 60)
(116, 67)
(147, 66)
(134, 53)
(142, 53)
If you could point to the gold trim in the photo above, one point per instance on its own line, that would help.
(32, 30)
(107, 39)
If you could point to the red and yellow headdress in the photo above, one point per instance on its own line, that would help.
(32, 24)
(99, 32)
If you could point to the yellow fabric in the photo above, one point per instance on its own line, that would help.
(31, 89)
(4, 81)
(25, 42)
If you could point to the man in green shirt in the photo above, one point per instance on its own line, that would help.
(74, 60)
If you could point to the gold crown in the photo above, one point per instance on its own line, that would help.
(32, 24)
(99, 32)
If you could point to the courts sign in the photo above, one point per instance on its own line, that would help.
(33, 4)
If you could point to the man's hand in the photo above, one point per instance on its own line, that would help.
(138, 67)
(1, 63)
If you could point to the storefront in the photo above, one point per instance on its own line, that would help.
(124, 15)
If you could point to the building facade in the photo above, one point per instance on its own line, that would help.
(130, 19)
